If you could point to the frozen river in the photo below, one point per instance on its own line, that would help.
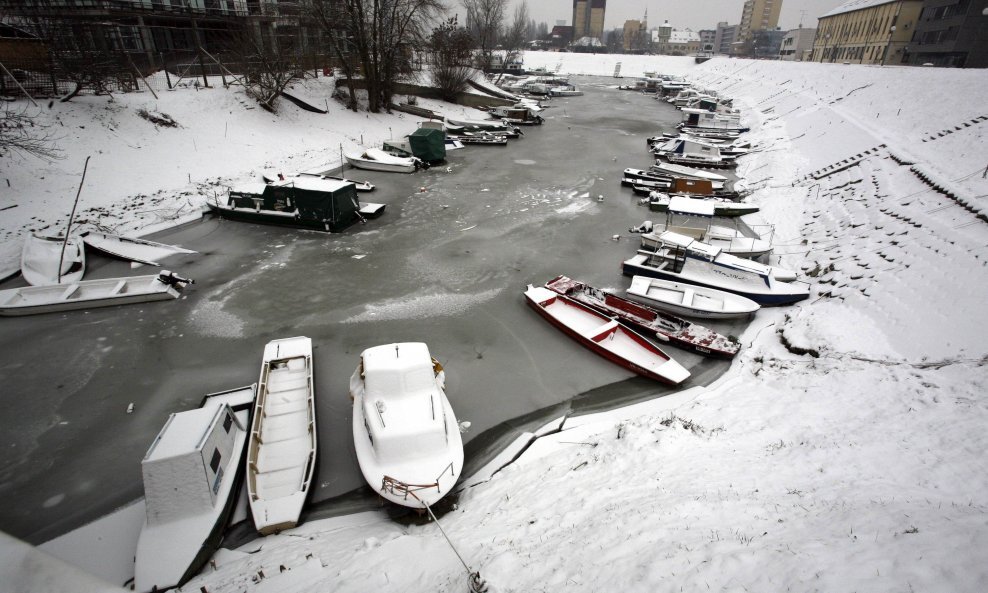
(446, 265)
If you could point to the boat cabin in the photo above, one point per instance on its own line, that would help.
(403, 405)
(184, 467)
(313, 200)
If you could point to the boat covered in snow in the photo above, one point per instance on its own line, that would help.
(605, 336)
(405, 433)
(690, 300)
(376, 159)
(192, 477)
(306, 201)
(281, 454)
(136, 250)
(52, 260)
(682, 259)
(664, 326)
(661, 202)
(90, 294)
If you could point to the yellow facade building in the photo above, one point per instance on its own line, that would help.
(866, 31)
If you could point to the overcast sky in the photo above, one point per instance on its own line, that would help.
(681, 14)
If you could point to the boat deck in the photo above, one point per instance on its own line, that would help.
(284, 432)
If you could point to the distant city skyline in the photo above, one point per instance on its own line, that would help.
(682, 14)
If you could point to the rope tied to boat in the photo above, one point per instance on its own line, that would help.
(474, 580)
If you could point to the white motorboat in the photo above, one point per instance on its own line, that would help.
(52, 260)
(682, 259)
(694, 218)
(405, 434)
(375, 159)
(479, 124)
(90, 294)
(690, 300)
(566, 90)
(192, 476)
(662, 202)
(136, 250)
(281, 454)
(684, 151)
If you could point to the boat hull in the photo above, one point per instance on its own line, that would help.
(723, 278)
(689, 299)
(281, 454)
(84, 294)
(372, 165)
(40, 260)
(668, 328)
(289, 219)
(541, 299)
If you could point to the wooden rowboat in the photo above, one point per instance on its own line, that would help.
(667, 328)
(605, 336)
(281, 453)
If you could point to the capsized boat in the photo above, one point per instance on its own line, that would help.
(141, 251)
(683, 259)
(405, 433)
(664, 326)
(606, 336)
(690, 300)
(376, 159)
(90, 294)
(44, 261)
(192, 475)
(281, 454)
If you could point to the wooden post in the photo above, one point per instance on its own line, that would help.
(168, 78)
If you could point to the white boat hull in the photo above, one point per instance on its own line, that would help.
(40, 260)
(85, 294)
(136, 250)
(690, 300)
(414, 461)
(281, 454)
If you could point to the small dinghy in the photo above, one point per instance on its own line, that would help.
(405, 434)
(375, 159)
(41, 256)
(90, 294)
(192, 477)
(689, 299)
(136, 250)
(281, 454)
(363, 186)
(605, 336)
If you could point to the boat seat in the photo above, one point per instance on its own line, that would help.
(286, 380)
(284, 426)
(688, 295)
(286, 402)
(275, 457)
(119, 287)
(604, 331)
(278, 484)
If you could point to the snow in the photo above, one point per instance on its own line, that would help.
(842, 450)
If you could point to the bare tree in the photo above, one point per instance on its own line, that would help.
(451, 69)
(267, 68)
(21, 133)
(484, 18)
(515, 35)
(375, 38)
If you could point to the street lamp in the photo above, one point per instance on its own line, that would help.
(888, 44)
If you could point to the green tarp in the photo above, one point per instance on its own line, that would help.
(428, 144)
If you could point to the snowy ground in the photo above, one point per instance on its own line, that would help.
(842, 451)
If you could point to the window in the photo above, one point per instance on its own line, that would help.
(214, 463)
